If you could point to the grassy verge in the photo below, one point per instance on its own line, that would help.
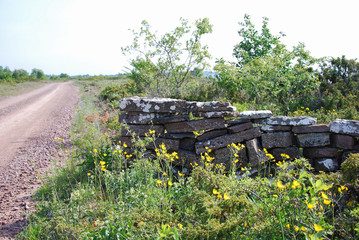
(18, 88)
(110, 191)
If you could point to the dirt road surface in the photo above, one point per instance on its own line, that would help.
(29, 124)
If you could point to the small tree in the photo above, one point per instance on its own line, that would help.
(37, 74)
(163, 64)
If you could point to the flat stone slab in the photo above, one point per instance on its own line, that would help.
(313, 139)
(350, 127)
(292, 152)
(212, 134)
(171, 119)
(195, 125)
(277, 140)
(255, 155)
(314, 153)
(317, 128)
(139, 118)
(225, 140)
(288, 121)
(141, 130)
(215, 114)
(237, 121)
(240, 127)
(214, 106)
(179, 135)
(275, 128)
(342, 141)
(326, 164)
(153, 105)
(256, 114)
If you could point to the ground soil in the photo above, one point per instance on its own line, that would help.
(30, 127)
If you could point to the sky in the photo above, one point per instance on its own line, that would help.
(85, 36)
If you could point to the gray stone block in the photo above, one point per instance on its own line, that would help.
(313, 139)
(350, 127)
(277, 140)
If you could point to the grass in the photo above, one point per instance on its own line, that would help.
(109, 191)
(18, 88)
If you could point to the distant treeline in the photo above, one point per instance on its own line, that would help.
(21, 75)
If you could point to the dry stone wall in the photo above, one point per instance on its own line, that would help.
(326, 146)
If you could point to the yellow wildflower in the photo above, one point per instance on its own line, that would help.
(225, 196)
(215, 192)
(125, 145)
(159, 182)
(275, 195)
(295, 184)
(317, 228)
(95, 150)
(196, 133)
(280, 185)
(349, 203)
(180, 174)
(219, 196)
(105, 154)
(287, 226)
(296, 228)
(327, 201)
(324, 196)
(170, 183)
(310, 206)
(180, 226)
(303, 229)
(88, 174)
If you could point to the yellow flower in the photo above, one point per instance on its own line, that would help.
(349, 203)
(317, 228)
(95, 150)
(310, 206)
(102, 163)
(196, 133)
(225, 196)
(275, 195)
(159, 182)
(280, 185)
(295, 184)
(326, 201)
(180, 174)
(219, 196)
(303, 229)
(243, 169)
(88, 174)
(215, 192)
(287, 226)
(170, 183)
(236, 155)
(105, 154)
(245, 224)
(125, 145)
(284, 155)
(180, 226)
(324, 196)
(296, 228)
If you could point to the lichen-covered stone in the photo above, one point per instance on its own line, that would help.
(350, 127)
(215, 114)
(288, 121)
(256, 114)
(313, 139)
(317, 128)
(153, 105)
(225, 140)
(139, 118)
(195, 125)
(237, 121)
(214, 106)
(326, 164)
(277, 140)
(314, 153)
(179, 135)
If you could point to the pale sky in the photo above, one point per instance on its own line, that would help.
(86, 36)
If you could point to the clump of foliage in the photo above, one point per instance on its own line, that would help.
(266, 71)
(350, 169)
(164, 64)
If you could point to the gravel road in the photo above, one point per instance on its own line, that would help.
(29, 124)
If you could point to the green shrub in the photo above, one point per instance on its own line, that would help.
(350, 169)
